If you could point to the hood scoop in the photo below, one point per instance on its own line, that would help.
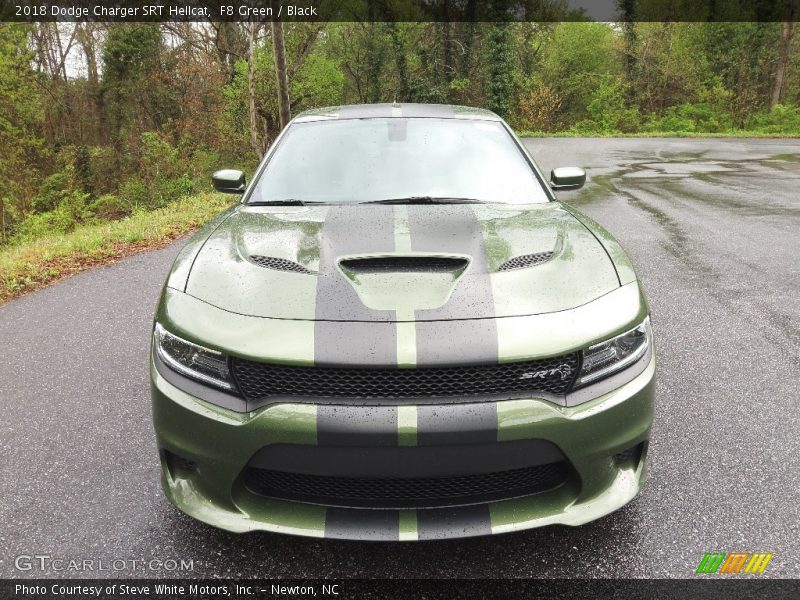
(525, 260)
(278, 264)
(403, 264)
(403, 283)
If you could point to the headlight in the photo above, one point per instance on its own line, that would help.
(192, 360)
(602, 360)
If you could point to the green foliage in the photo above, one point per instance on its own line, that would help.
(781, 119)
(166, 107)
(691, 118)
(109, 206)
(578, 59)
(21, 114)
(52, 191)
(132, 88)
(500, 61)
(133, 194)
(319, 82)
(70, 211)
(608, 112)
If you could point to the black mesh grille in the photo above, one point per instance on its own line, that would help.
(526, 260)
(403, 264)
(278, 264)
(263, 380)
(406, 493)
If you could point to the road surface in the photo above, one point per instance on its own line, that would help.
(713, 227)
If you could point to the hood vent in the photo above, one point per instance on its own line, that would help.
(278, 264)
(404, 264)
(526, 260)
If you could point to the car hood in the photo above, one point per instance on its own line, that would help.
(384, 263)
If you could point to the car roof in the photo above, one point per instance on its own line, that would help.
(396, 110)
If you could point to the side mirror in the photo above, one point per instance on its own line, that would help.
(229, 181)
(567, 178)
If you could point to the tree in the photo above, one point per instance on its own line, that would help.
(135, 95)
(279, 54)
(256, 142)
(500, 81)
(21, 149)
(783, 59)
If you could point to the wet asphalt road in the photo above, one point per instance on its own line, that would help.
(713, 227)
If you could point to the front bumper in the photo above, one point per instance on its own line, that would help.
(219, 444)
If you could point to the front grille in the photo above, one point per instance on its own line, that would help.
(278, 264)
(526, 260)
(408, 492)
(258, 380)
(404, 264)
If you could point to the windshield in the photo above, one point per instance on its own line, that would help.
(368, 160)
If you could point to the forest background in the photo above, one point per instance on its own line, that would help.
(109, 131)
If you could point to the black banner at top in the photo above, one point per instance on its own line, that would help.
(398, 10)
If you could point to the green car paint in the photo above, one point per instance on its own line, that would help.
(310, 308)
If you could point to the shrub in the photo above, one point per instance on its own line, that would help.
(133, 194)
(70, 212)
(109, 206)
(169, 190)
(607, 111)
(539, 109)
(691, 118)
(51, 192)
(782, 119)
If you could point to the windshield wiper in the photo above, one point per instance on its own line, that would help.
(286, 202)
(425, 200)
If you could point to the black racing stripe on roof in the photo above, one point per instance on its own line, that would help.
(345, 330)
(442, 111)
(365, 111)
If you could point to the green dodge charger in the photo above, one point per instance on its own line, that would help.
(399, 333)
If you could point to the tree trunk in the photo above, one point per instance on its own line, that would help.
(447, 49)
(403, 86)
(85, 37)
(783, 59)
(279, 52)
(627, 9)
(251, 89)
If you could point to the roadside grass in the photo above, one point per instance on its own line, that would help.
(30, 265)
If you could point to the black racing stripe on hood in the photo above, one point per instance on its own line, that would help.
(441, 339)
(462, 521)
(338, 339)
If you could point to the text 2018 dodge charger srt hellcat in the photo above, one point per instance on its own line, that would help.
(400, 334)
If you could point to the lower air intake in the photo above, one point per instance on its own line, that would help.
(406, 493)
